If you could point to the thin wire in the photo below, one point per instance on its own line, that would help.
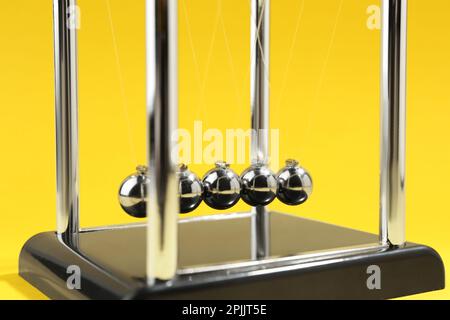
(230, 57)
(202, 79)
(290, 56)
(192, 47)
(324, 68)
(208, 60)
(330, 47)
(122, 86)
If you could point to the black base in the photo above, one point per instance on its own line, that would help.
(334, 264)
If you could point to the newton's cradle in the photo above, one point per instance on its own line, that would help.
(266, 255)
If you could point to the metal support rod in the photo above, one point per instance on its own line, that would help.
(260, 233)
(393, 122)
(65, 42)
(260, 94)
(162, 107)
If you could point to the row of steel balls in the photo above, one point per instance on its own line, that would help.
(221, 188)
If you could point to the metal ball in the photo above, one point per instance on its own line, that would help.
(133, 193)
(294, 184)
(222, 187)
(259, 185)
(190, 190)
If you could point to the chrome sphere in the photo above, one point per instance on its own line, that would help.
(259, 185)
(222, 187)
(133, 193)
(294, 184)
(190, 189)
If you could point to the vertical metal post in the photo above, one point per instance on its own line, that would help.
(393, 122)
(260, 94)
(65, 42)
(162, 106)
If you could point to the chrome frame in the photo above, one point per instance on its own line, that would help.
(297, 258)
(162, 104)
(260, 113)
(162, 119)
(393, 122)
(66, 109)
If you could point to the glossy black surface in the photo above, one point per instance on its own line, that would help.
(112, 264)
(259, 186)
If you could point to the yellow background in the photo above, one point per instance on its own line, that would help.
(325, 102)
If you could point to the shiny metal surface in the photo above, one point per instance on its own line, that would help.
(190, 189)
(222, 187)
(259, 185)
(295, 185)
(66, 105)
(330, 266)
(162, 101)
(260, 226)
(295, 261)
(259, 82)
(162, 106)
(228, 244)
(260, 113)
(393, 122)
(133, 193)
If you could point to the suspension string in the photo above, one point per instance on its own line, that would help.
(123, 94)
(202, 80)
(323, 71)
(194, 57)
(290, 56)
(238, 93)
